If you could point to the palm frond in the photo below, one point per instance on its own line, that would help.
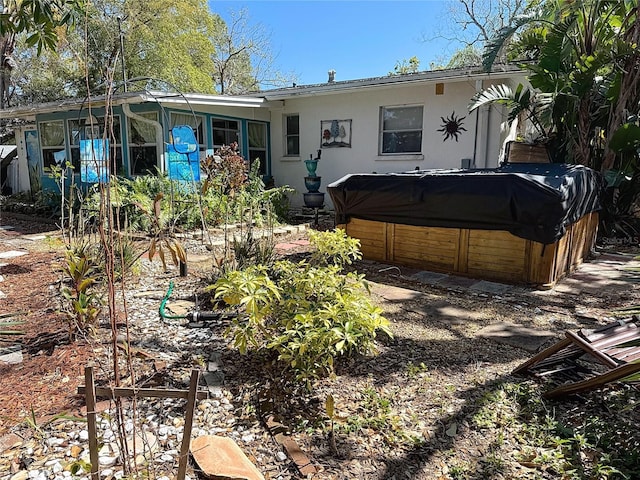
(494, 46)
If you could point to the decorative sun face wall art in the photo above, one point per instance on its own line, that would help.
(452, 127)
(335, 133)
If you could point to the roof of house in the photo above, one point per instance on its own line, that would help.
(430, 76)
(188, 100)
(263, 98)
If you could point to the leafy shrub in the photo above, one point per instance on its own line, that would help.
(83, 303)
(334, 248)
(307, 314)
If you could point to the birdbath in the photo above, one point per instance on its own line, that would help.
(313, 198)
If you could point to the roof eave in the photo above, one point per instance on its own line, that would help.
(30, 112)
(381, 82)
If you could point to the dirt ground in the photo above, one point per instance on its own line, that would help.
(435, 371)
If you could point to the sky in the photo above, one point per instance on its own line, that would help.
(357, 39)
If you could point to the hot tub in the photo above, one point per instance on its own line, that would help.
(519, 223)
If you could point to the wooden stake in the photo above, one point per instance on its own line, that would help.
(90, 390)
(188, 424)
(90, 394)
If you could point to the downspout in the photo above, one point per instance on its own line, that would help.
(475, 135)
(486, 141)
(158, 127)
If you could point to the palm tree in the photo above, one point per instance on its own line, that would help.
(579, 54)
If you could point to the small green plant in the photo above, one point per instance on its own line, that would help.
(414, 370)
(162, 241)
(377, 415)
(329, 405)
(308, 315)
(83, 302)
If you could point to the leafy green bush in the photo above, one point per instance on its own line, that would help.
(307, 314)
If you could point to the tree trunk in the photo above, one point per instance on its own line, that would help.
(7, 45)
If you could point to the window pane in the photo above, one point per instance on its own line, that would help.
(143, 160)
(402, 142)
(228, 124)
(257, 135)
(293, 125)
(116, 136)
(48, 157)
(194, 121)
(142, 132)
(402, 118)
(293, 145)
(74, 132)
(52, 134)
(258, 156)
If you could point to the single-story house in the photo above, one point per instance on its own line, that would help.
(385, 124)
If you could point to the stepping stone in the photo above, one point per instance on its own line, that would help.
(396, 294)
(12, 254)
(36, 238)
(529, 339)
(490, 287)
(11, 355)
(220, 457)
(430, 278)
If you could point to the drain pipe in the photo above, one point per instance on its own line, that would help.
(475, 138)
(158, 127)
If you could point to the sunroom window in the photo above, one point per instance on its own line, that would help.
(401, 129)
(258, 144)
(194, 121)
(143, 151)
(225, 132)
(84, 129)
(52, 143)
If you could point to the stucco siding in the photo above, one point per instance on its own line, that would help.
(363, 109)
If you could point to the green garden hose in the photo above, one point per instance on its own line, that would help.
(161, 311)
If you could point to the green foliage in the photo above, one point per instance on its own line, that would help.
(334, 247)
(593, 441)
(38, 19)
(83, 303)
(377, 415)
(307, 314)
(405, 66)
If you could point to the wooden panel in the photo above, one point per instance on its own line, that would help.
(372, 236)
(426, 247)
(542, 260)
(490, 254)
(496, 255)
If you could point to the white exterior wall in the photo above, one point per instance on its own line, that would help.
(362, 106)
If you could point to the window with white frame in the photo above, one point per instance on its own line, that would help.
(292, 135)
(84, 129)
(225, 132)
(52, 143)
(143, 150)
(401, 130)
(194, 121)
(258, 144)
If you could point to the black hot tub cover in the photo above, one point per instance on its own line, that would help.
(532, 201)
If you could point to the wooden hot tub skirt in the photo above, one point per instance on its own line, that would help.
(486, 254)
